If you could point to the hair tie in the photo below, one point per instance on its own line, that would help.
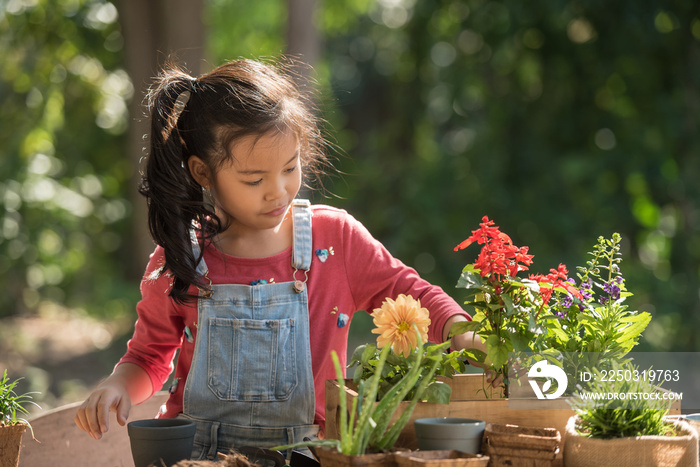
(183, 98)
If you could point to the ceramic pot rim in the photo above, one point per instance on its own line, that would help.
(450, 421)
(167, 428)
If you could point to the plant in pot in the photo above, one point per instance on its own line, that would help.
(552, 316)
(403, 369)
(599, 327)
(406, 311)
(12, 425)
(620, 420)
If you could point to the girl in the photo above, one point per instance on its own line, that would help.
(254, 287)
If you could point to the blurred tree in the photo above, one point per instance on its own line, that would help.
(63, 206)
(155, 32)
(302, 35)
(562, 121)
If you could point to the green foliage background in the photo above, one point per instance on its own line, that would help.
(63, 194)
(561, 120)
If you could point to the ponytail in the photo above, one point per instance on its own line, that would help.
(204, 117)
(175, 201)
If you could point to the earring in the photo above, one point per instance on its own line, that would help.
(208, 199)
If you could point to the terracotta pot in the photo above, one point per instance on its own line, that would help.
(10, 444)
(582, 451)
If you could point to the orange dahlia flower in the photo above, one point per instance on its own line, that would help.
(394, 323)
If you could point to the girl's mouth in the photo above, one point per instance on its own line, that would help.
(277, 212)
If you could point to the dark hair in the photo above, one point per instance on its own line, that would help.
(237, 99)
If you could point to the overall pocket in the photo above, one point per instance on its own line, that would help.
(251, 360)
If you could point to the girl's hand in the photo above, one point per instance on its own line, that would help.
(128, 384)
(493, 378)
(93, 414)
(471, 340)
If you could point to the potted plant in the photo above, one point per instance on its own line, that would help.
(626, 424)
(552, 315)
(394, 321)
(574, 323)
(12, 425)
(403, 370)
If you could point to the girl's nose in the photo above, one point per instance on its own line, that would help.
(277, 189)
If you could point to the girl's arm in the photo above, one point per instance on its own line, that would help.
(469, 340)
(374, 274)
(148, 361)
(128, 385)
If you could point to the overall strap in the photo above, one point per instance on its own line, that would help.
(301, 250)
(202, 266)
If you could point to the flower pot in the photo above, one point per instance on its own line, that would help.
(520, 446)
(582, 451)
(451, 458)
(10, 443)
(332, 458)
(693, 420)
(449, 433)
(161, 441)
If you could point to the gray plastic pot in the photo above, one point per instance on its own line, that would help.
(161, 441)
(446, 433)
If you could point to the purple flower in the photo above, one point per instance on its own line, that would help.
(614, 292)
(567, 301)
(585, 289)
(612, 289)
(603, 300)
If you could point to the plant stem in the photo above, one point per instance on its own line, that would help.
(362, 430)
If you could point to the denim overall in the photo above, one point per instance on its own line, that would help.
(250, 383)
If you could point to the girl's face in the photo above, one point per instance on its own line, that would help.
(255, 188)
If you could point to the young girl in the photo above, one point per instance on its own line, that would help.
(254, 287)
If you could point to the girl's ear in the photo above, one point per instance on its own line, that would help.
(200, 171)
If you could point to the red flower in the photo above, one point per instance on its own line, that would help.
(498, 256)
(557, 278)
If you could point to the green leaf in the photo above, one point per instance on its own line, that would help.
(475, 355)
(370, 352)
(357, 375)
(497, 351)
(638, 324)
(520, 342)
(470, 280)
(553, 324)
(357, 355)
(464, 326)
(508, 302)
(438, 392)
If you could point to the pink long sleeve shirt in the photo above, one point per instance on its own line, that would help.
(350, 271)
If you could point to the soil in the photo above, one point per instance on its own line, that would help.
(60, 354)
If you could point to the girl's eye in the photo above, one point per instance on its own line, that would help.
(255, 183)
(291, 169)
